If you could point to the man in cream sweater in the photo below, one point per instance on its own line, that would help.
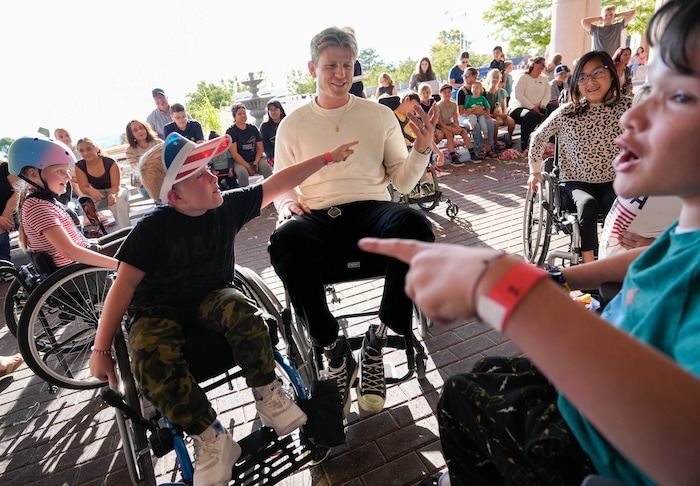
(345, 202)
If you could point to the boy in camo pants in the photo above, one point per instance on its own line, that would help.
(175, 273)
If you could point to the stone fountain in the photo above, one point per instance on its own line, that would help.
(256, 105)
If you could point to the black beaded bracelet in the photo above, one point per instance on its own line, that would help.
(102, 352)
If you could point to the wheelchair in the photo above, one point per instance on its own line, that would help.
(266, 458)
(354, 268)
(22, 281)
(548, 214)
(58, 321)
(426, 195)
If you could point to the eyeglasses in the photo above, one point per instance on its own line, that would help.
(596, 74)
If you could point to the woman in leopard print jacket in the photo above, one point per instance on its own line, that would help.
(586, 127)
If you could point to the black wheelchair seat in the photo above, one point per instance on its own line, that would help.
(43, 263)
(209, 354)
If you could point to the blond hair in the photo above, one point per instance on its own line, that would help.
(333, 37)
(152, 172)
(425, 87)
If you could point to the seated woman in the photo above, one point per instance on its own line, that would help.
(386, 86)
(247, 147)
(268, 130)
(621, 58)
(528, 105)
(141, 138)
(587, 127)
(43, 167)
(99, 178)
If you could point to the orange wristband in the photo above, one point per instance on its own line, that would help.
(329, 158)
(496, 307)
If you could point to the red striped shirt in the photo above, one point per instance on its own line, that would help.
(38, 215)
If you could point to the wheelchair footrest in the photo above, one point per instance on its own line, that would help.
(268, 459)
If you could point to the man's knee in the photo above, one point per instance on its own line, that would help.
(286, 238)
(412, 224)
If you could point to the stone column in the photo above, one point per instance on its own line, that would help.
(568, 37)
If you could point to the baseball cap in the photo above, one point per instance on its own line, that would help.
(561, 68)
(183, 158)
(157, 91)
(445, 86)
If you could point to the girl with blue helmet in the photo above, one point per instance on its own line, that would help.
(43, 166)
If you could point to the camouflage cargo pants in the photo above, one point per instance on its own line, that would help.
(156, 338)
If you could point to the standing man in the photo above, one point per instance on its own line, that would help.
(342, 203)
(162, 115)
(607, 37)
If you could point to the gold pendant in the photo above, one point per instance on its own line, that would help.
(337, 129)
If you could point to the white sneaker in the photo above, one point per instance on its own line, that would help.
(277, 409)
(215, 453)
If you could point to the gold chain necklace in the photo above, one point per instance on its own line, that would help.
(337, 125)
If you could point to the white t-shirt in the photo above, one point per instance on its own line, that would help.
(644, 215)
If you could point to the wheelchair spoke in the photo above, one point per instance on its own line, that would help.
(59, 323)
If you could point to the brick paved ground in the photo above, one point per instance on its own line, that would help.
(71, 438)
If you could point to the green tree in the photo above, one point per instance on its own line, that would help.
(645, 9)
(207, 103)
(300, 81)
(527, 24)
(5, 143)
(368, 58)
(215, 95)
(444, 53)
(402, 74)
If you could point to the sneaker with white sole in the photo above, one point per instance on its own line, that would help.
(215, 453)
(371, 390)
(277, 409)
(342, 367)
(455, 160)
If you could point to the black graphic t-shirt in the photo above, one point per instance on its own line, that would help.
(185, 258)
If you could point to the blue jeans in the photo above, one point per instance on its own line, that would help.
(476, 133)
(5, 250)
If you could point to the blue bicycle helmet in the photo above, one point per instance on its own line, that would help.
(39, 152)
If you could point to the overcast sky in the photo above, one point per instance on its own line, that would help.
(90, 65)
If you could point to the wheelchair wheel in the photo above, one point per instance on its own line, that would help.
(537, 225)
(15, 298)
(134, 435)
(452, 209)
(420, 321)
(297, 345)
(58, 324)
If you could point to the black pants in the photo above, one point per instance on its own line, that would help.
(529, 120)
(304, 247)
(590, 201)
(500, 424)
